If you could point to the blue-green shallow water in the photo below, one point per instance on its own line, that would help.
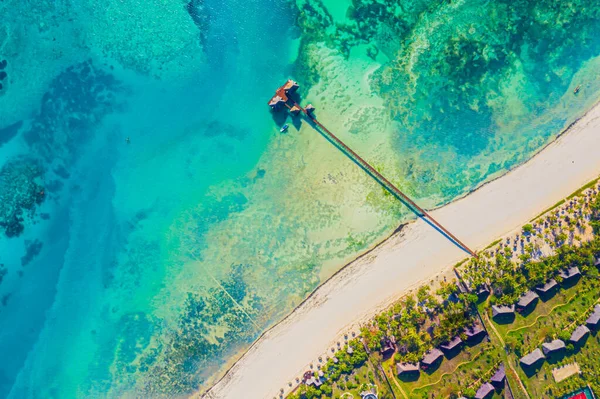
(145, 267)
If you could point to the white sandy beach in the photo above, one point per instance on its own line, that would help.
(415, 254)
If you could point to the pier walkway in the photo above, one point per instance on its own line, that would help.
(283, 98)
(391, 188)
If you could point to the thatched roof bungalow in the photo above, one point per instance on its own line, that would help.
(532, 358)
(499, 311)
(570, 274)
(452, 345)
(431, 358)
(593, 321)
(527, 300)
(485, 391)
(499, 376)
(407, 368)
(579, 334)
(474, 332)
(547, 288)
(553, 347)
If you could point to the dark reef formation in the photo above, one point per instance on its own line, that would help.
(76, 101)
(21, 191)
(32, 249)
(199, 14)
(74, 104)
(3, 75)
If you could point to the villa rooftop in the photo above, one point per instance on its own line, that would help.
(485, 391)
(452, 344)
(482, 290)
(387, 346)
(579, 333)
(549, 286)
(502, 310)
(570, 273)
(552, 347)
(532, 358)
(594, 319)
(474, 331)
(527, 299)
(407, 368)
(431, 357)
(499, 375)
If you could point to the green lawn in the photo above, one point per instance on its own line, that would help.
(472, 367)
(567, 309)
(542, 309)
(570, 309)
(542, 385)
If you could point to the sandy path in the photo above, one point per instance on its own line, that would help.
(415, 254)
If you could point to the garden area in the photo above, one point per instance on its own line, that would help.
(545, 278)
(461, 375)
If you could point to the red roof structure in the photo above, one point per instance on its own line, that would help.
(281, 95)
(290, 86)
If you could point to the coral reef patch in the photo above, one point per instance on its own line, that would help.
(21, 191)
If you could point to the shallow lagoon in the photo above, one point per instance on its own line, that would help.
(147, 267)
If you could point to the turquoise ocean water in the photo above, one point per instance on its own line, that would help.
(154, 220)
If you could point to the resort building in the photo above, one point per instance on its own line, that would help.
(547, 289)
(554, 347)
(485, 391)
(310, 108)
(570, 274)
(452, 345)
(475, 332)
(594, 319)
(387, 347)
(431, 358)
(406, 369)
(280, 99)
(532, 358)
(290, 86)
(579, 334)
(277, 101)
(503, 311)
(499, 377)
(527, 300)
(483, 291)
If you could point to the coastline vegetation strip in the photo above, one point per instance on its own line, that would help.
(559, 203)
(488, 247)
(583, 188)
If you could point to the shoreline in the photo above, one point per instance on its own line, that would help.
(375, 278)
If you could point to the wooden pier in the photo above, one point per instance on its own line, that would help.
(282, 98)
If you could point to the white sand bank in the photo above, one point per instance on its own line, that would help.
(415, 254)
